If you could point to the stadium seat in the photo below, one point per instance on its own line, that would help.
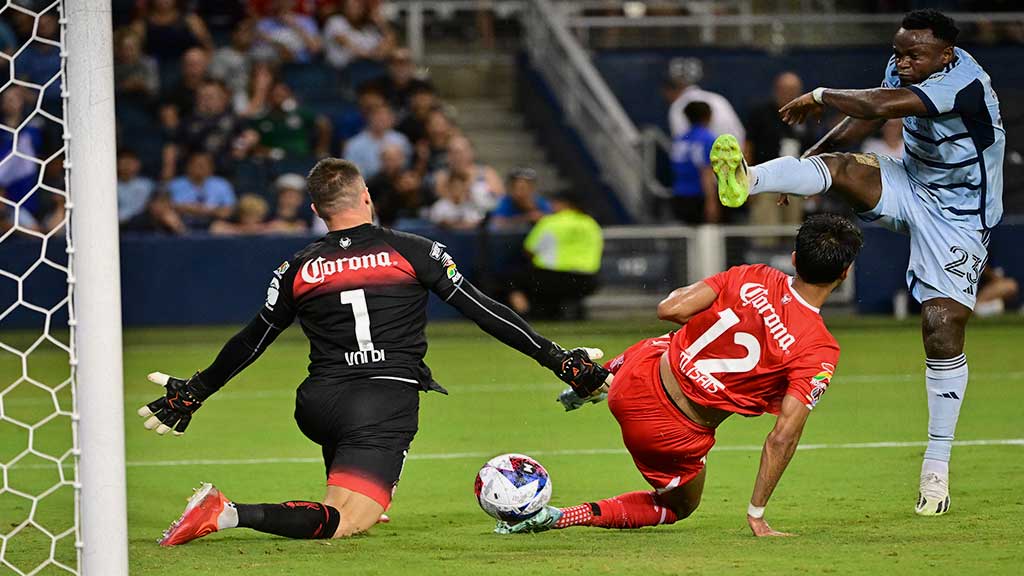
(313, 83)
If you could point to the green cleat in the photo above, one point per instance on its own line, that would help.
(730, 170)
(540, 522)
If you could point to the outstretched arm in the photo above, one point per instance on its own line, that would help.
(573, 367)
(173, 410)
(436, 270)
(686, 302)
(779, 447)
(869, 104)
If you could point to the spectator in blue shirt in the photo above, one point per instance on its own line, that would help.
(694, 193)
(364, 148)
(522, 206)
(200, 196)
(133, 190)
(18, 174)
(295, 36)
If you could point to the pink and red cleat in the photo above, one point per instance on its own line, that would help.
(198, 519)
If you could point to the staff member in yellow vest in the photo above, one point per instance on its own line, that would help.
(564, 249)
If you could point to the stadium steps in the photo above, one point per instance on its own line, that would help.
(479, 87)
(501, 139)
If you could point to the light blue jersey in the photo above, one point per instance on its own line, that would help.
(955, 153)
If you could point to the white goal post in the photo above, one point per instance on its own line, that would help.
(62, 461)
(96, 275)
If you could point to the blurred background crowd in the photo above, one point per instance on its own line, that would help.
(223, 106)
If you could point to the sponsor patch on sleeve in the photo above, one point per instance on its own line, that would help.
(819, 383)
(282, 269)
(451, 271)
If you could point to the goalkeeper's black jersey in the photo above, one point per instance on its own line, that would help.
(360, 296)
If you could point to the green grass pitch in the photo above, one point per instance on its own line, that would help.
(851, 507)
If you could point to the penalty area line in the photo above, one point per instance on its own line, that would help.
(571, 452)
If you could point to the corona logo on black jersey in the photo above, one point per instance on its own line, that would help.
(316, 271)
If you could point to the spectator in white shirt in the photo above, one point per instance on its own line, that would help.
(359, 32)
(680, 88)
(457, 211)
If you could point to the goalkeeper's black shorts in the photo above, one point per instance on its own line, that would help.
(364, 429)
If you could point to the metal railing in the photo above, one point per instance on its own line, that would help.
(587, 103)
(642, 264)
(774, 31)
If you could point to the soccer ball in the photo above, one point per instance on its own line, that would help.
(512, 487)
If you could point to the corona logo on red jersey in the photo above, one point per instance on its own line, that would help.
(756, 296)
(316, 271)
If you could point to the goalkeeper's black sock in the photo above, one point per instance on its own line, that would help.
(296, 519)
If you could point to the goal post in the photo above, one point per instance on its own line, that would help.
(95, 277)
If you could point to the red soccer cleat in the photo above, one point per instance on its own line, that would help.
(199, 517)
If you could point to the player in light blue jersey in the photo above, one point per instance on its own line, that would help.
(946, 193)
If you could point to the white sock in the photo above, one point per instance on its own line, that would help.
(937, 466)
(228, 517)
(946, 383)
(788, 175)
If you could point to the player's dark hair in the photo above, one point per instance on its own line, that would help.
(943, 27)
(826, 245)
(698, 113)
(334, 184)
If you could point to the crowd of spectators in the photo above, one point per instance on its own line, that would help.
(221, 107)
(697, 116)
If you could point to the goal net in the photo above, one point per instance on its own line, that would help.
(43, 487)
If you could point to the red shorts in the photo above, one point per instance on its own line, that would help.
(667, 447)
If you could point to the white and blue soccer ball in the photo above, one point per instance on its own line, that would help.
(512, 487)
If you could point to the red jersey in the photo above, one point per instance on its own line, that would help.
(758, 341)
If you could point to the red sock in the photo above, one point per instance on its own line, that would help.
(630, 510)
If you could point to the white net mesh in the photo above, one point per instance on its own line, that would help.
(38, 446)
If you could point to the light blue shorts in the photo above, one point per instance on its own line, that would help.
(946, 258)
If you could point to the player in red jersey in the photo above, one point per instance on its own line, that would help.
(752, 341)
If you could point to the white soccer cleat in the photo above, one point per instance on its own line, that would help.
(933, 499)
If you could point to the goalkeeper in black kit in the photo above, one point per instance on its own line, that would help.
(360, 294)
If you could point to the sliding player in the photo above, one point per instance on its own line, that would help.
(946, 194)
(751, 342)
(360, 294)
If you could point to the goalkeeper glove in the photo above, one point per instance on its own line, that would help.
(174, 410)
(576, 368)
(571, 400)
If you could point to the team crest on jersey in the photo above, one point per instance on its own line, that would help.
(282, 269)
(345, 242)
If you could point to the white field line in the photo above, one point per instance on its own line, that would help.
(571, 452)
(237, 391)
